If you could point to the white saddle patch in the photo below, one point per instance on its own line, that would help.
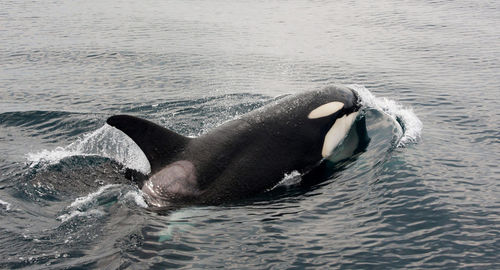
(337, 133)
(177, 180)
(326, 109)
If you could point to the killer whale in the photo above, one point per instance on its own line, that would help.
(247, 155)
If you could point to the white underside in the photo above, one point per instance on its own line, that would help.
(337, 133)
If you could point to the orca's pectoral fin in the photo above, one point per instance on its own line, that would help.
(159, 144)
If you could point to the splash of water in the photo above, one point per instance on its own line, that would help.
(95, 203)
(105, 141)
(6, 204)
(86, 201)
(136, 197)
(77, 213)
(411, 125)
(289, 179)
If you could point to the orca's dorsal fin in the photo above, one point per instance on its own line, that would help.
(159, 144)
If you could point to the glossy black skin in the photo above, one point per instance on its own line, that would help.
(251, 154)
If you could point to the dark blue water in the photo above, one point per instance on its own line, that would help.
(424, 194)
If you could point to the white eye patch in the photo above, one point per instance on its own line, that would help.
(326, 109)
(337, 133)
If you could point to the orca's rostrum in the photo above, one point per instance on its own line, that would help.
(247, 155)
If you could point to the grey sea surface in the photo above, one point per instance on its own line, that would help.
(424, 195)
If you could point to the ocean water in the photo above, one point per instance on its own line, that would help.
(424, 195)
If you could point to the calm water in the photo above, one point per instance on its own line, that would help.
(423, 196)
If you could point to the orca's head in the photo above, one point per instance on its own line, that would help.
(333, 110)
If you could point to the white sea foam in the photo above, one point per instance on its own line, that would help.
(289, 179)
(6, 204)
(78, 213)
(83, 202)
(95, 203)
(106, 142)
(86, 206)
(137, 197)
(411, 125)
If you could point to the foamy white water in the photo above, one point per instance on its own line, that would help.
(5, 204)
(412, 126)
(77, 213)
(89, 205)
(289, 179)
(137, 197)
(84, 202)
(106, 142)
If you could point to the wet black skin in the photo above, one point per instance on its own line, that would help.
(248, 155)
